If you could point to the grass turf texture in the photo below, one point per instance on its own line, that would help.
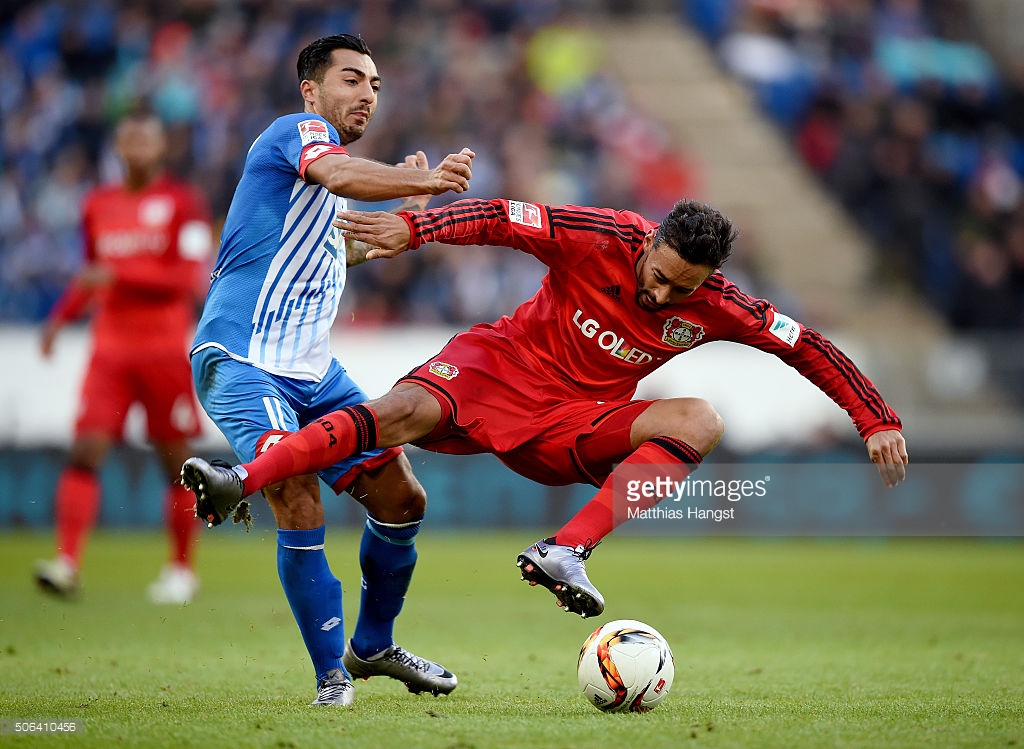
(777, 643)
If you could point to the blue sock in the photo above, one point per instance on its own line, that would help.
(314, 594)
(387, 557)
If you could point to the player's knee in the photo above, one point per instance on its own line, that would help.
(401, 506)
(405, 502)
(397, 501)
(714, 425)
(82, 462)
(710, 417)
(88, 454)
(704, 426)
(295, 502)
(413, 504)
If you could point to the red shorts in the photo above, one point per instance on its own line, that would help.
(162, 383)
(534, 426)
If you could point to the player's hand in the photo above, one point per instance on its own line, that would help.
(453, 173)
(416, 160)
(386, 232)
(888, 451)
(49, 335)
(94, 276)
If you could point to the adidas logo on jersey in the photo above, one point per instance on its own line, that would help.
(612, 291)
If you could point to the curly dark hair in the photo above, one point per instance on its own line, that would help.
(315, 58)
(700, 234)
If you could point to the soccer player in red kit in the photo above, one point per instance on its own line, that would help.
(147, 243)
(550, 389)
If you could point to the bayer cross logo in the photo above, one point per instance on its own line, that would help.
(681, 333)
(446, 371)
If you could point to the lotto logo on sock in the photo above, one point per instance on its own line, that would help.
(330, 624)
(269, 439)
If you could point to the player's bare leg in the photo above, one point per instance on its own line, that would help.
(692, 420)
(677, 432)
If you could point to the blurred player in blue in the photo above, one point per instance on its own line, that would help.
(263, 367)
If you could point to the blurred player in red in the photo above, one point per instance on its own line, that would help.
(550, 389)
(147, 243)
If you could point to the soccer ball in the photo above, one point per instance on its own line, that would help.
(625, 665)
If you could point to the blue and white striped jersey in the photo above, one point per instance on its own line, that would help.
(281, 267)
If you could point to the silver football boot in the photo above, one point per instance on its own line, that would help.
(418, 674)
(563, 571)
(335, 689)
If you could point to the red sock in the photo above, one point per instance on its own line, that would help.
(75, 509)
(182, 524)
(316, 446)
(604, 513)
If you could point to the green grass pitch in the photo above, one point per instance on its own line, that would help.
(796, 643)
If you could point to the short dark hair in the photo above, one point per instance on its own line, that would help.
(315, 58)
(700, 234)
(139, 108)
(141, 111)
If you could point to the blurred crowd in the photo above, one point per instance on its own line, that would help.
(900, 110)
(893, 103)
(522, 82)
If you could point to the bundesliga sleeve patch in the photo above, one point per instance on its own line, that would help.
(313, 131)
(526, 214)
(786, 329)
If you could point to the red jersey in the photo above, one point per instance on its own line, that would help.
(156, 241)
(584, 334)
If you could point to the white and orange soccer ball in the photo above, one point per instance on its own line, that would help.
(625, 665)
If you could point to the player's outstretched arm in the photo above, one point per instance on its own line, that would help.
(386, 233)
(73, 302)
(888, 451)
(356, 251)
(363, 179)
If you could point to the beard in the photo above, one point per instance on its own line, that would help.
(645, 302)
(350, 133)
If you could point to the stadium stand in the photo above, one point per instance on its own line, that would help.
(521, 83)
(960, 382)
(897, 107)
(550, 95)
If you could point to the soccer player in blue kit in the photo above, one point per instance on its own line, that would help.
(263, 367)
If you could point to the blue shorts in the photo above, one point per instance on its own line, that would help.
(246, 403)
